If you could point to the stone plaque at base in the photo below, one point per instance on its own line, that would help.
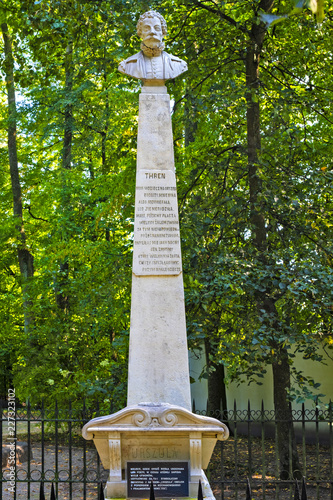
(170, 479)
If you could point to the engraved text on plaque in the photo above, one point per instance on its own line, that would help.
(156, 227)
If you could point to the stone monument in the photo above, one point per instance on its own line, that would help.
(156, 437)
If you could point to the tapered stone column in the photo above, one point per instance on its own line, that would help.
(158, 358)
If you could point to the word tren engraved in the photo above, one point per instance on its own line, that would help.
(156, 227)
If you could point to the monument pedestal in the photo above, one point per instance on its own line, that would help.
(161, 440)
(162, 443)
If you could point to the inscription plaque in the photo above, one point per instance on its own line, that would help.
(156, 227)
(170, 479)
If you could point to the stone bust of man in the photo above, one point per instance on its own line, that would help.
(152, 64)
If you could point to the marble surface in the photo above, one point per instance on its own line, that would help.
(152, 63)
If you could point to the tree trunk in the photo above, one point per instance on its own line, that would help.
(105, 132)
(25, 258)
(191, 123)
(253, 137)
(265, 300)
(217, 399)
(68, 127)
(62, 296)
(286, 442)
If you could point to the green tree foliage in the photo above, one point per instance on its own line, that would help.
(255, 193)
(293, 173)
(76, 135)
(253, 137)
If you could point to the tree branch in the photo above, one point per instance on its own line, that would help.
(223, 16)
(27, 207)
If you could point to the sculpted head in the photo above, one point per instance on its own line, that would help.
(152, 63)
(151, 28)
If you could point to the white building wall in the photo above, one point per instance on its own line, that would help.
(320, 372)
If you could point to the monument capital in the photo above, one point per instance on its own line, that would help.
(152, 64)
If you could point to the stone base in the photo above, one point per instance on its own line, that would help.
(118, 490)
(158, 433)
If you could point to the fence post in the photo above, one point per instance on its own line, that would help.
(248, 489)
(41, 491)
(152, 492)
(101, 492)
(1, 473)
(42, 417)
(277, 459)
(249, 440)
(296, 494)
(235, 446)
(52, 495)
(85, 420)
(331, 445)
(317, 449)
(200, 494)
(70, 412)
(303, 439)
(304, 494)
(29, 444)
(56, 429)
(263, 449)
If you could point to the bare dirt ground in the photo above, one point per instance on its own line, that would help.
(68, 466)
(75, 467)
(316, 464)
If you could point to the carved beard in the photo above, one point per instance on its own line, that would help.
(152, 52)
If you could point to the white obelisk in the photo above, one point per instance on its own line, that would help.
(158, 358)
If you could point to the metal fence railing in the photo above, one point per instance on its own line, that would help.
(252, 454)
(44, 445)
(40, 447)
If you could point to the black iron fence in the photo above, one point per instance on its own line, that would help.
(251, 455)
(298, 495)
(44, 447)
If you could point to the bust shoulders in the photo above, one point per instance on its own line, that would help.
(133, 58)
(173, 58)
(135, 65)
(175, 66)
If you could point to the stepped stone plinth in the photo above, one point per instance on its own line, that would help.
(154, 433)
